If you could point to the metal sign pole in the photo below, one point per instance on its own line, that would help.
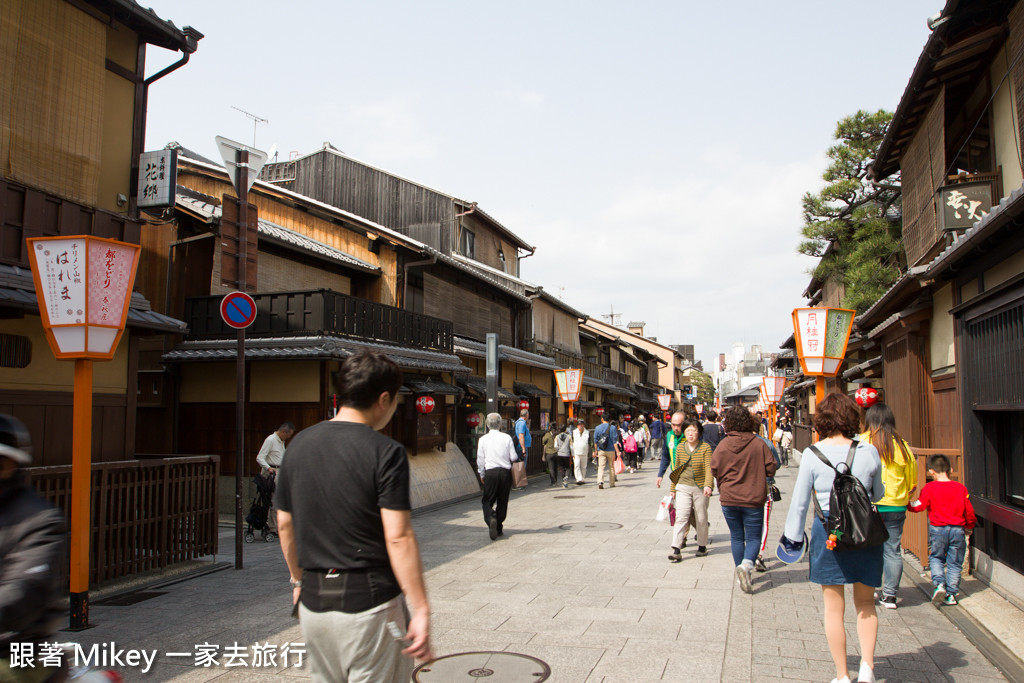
(243, 244)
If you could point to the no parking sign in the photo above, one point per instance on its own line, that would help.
(238, 310)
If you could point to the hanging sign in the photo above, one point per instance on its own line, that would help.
(158, 177)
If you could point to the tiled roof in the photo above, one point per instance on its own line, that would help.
(531, 390)
(283, 234)
(18, 290)
(427, 385)
(478, 385)
(476, 349)
(284, 348)
(975, 235)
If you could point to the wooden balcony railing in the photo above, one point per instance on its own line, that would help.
(319, 312)
(146, 514)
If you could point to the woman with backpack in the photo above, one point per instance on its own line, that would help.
(630, 448)
(837, 421)
(899, 475)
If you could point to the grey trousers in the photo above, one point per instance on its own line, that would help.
(356, 648)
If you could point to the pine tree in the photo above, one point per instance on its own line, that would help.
(859, 218)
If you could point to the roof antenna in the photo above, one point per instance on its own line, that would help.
(613, 317)
(256, 120)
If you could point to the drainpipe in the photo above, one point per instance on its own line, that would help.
(192, 38)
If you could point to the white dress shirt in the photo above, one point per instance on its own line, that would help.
(580, 443)
(494, 449)
(271, 453)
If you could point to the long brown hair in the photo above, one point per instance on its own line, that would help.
(881, 425)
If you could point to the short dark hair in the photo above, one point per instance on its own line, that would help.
(712, 416)
(837, 414)
(691, 422)
(738, 419)
(286, 426)
(939, 463)
(364, 376)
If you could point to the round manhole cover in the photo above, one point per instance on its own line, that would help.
(489, 667)
(591, 526)
(567, 496)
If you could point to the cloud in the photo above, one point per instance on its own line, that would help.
(381, 132)
(705, 257)
(520, 96)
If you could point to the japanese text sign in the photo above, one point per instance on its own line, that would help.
(569, 382)
(664, 401)
(821, 336)
(963, 205)
(158, 177)
(83, 284)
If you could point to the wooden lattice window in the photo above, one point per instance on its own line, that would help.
(15, 351)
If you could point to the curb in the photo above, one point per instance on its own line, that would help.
(987, 643)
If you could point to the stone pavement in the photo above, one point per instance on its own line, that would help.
(597, 604)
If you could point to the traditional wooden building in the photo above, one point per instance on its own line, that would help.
(950, 329)
(71, 132)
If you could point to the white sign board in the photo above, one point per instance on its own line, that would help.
(158, 176)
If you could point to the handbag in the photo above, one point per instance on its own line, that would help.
(518, 474)
(620, 466)
(776, 494)
(777, 434)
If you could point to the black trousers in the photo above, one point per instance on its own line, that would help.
(551, 459)
(497, 484)
(563, 467)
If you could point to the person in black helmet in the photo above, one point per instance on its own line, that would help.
(32, 546)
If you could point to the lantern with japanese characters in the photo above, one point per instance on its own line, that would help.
(473, 420)
(84, 286)
(627, 417)
(599, 411)
(866, 397)
(524, 405)
(821, 336)
(425, 404)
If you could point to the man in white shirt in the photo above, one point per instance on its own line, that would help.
(581, 451)
(272, 452)
(494, 457)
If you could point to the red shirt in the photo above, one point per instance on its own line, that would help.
(948, 504)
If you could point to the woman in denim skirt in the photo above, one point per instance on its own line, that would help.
(836, 422)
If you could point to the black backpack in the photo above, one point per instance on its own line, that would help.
(852, 519)
(603, 441)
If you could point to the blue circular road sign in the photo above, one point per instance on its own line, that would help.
(238, 310)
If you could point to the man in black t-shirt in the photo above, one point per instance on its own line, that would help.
(344, 523)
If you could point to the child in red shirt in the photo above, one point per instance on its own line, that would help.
(950, 519)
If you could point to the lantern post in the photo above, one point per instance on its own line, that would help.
(821, 335)
(773, 387)
(570, 383)
(84, 286)
(664, 401)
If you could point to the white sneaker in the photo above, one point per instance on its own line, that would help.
(743, 578)
(844, 679)
(866, 675)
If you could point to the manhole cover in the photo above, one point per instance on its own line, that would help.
(485, 667)
(567, 496)
(591, 526)
(129, 599)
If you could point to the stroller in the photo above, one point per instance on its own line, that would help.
(259, 511)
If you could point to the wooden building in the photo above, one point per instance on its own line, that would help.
(950, 329)
(71, 132)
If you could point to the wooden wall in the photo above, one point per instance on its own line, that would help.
(923, 171)
(473, 315)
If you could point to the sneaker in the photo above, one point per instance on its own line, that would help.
(492, 528)
(565, 484)
(676, 556)
(600, 484)
(938, 592)
(887, 601)
(844, 679)
(743, 578)
(866, 674)
(759, 565)
(702, 551)
(579, 483)
(951, 599)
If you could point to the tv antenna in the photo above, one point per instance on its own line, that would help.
(256, 120)
(612, 317)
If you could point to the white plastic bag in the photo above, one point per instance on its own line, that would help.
(663, 509)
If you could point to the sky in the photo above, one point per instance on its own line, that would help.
(655, 153)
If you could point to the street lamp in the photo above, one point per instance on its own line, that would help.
(821, 336)
(570, 382)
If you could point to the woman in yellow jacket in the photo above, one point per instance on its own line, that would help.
(899, 474)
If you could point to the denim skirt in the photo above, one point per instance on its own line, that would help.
(831, 568)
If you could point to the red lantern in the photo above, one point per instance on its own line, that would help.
(599, 411)
(425, 404)
(866, 396)
(473, 419)
(627, 417)
(524, 405)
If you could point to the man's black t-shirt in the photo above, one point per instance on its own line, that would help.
(334, 479)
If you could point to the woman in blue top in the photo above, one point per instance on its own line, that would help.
(837, 423)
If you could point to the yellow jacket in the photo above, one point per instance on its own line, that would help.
(900, 478)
